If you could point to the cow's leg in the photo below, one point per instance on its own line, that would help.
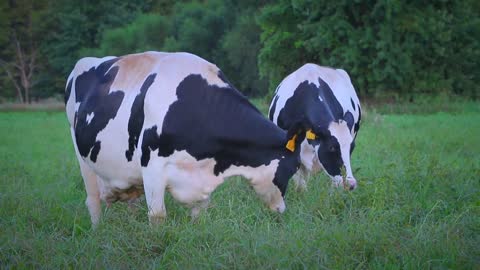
(299, 178)
(308, 161)
(91, 187)
(198, 207)
(154, 183)
(93, 194)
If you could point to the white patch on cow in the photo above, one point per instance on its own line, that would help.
(90, 117)
(261, 178)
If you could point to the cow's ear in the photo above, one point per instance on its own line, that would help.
(296, 135)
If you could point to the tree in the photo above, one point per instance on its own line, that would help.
(394, 47)
(20, 42)
(74, 26)
(240, 48)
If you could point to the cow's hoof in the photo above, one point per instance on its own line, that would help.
(301, 187)
(156, 219)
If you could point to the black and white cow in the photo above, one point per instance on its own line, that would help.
(326, 99)
(155, 121)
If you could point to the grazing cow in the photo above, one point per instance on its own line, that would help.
(155, 121)
(326, 99)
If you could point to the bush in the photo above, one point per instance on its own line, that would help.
(395, 47)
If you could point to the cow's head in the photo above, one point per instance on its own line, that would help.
(333, 145)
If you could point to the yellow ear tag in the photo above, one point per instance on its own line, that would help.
(310, 135)
(291, 143)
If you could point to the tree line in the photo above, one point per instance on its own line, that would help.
(391, 48)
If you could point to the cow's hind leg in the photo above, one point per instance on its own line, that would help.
(91, 187)
(154, 183)
(93, 194)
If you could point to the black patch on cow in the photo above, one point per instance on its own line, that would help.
(348, 117)
(92, 91)
(357, 124)
(305, 103)
(272, 108)
(68, 90)
(353, 104)
(95, 151)
(352, 146)
(330, 155)
(137, 116)
(209, 121)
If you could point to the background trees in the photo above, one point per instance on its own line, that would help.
(390, 48)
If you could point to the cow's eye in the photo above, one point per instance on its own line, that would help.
(331, 148)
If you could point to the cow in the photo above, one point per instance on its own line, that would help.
(156, 121)
(326, 99)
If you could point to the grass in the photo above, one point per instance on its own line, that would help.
(417, 207)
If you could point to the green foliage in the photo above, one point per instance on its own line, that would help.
(240, 49)
(416, 207)
(74, 26)
(392, 49)
(147, 32)
(388, 47)
(207, 29)
(197, 28)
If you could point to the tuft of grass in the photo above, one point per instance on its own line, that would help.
(416, 207)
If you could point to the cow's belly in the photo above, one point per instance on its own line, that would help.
(120, 179)
(190, 180)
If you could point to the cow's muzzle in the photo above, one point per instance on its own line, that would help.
(350, 183)
(279, 207)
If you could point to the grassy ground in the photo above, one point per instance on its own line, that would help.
(417, 207)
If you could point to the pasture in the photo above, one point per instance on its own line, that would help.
(417, 206)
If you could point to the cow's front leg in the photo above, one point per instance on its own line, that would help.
(198, 207)
(299, 180)
(154, 183)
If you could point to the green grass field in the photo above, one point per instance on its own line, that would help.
(417, 207)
